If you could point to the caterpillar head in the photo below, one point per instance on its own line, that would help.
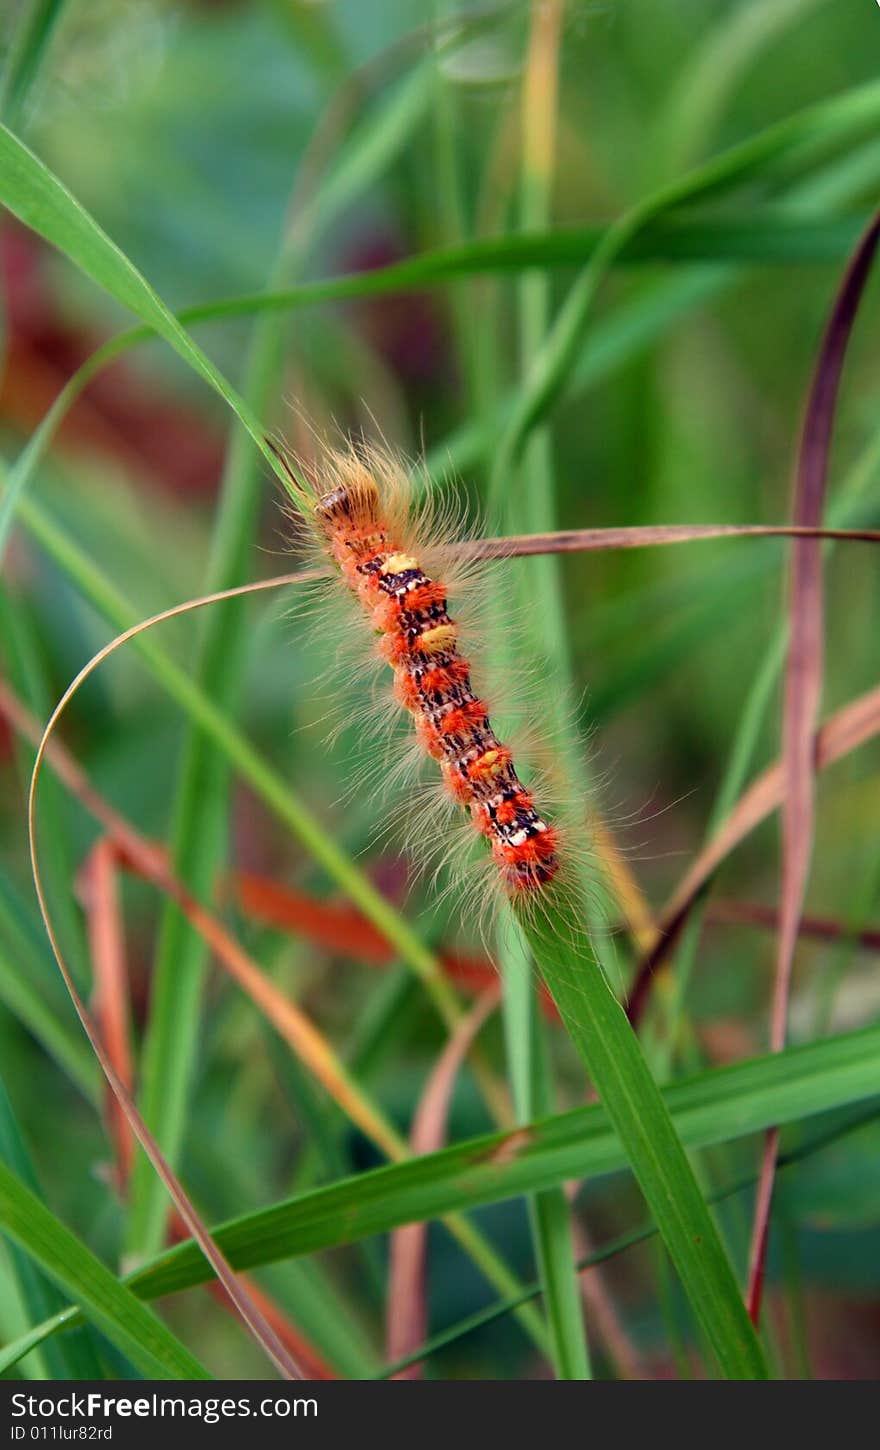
(352, 504)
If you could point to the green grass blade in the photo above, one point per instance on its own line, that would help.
(810, 134)
(40, 200)
(202, 795)
(713, 1107)
(111, 1306)
(598, 1027)
(26, 981)
(530, 504)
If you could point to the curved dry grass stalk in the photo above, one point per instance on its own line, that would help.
(253, 1318)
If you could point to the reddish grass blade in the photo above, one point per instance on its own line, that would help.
(803, 689)
(850, 727)
(407, 1313)
(99, 892)
(339, 927)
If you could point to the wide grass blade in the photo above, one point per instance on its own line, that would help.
(714, 1107)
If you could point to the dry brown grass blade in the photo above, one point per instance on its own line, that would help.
(803, 691)
(578, 541)
(99, 893)
(407, 1318)
(848, 728)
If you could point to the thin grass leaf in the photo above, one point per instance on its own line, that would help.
(31, 36)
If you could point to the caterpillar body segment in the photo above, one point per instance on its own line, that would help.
(367, 538)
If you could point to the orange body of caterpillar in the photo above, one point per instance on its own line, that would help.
(432, 681)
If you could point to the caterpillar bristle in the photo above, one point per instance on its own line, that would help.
(359, 508)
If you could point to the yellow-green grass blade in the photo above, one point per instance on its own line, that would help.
(106, 1302)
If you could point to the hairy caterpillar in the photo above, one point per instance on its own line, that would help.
(359, 513)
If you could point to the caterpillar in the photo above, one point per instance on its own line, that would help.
(357, 510)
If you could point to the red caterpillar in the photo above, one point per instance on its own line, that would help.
(370, 539)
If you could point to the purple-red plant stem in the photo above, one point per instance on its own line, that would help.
(803, 689)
